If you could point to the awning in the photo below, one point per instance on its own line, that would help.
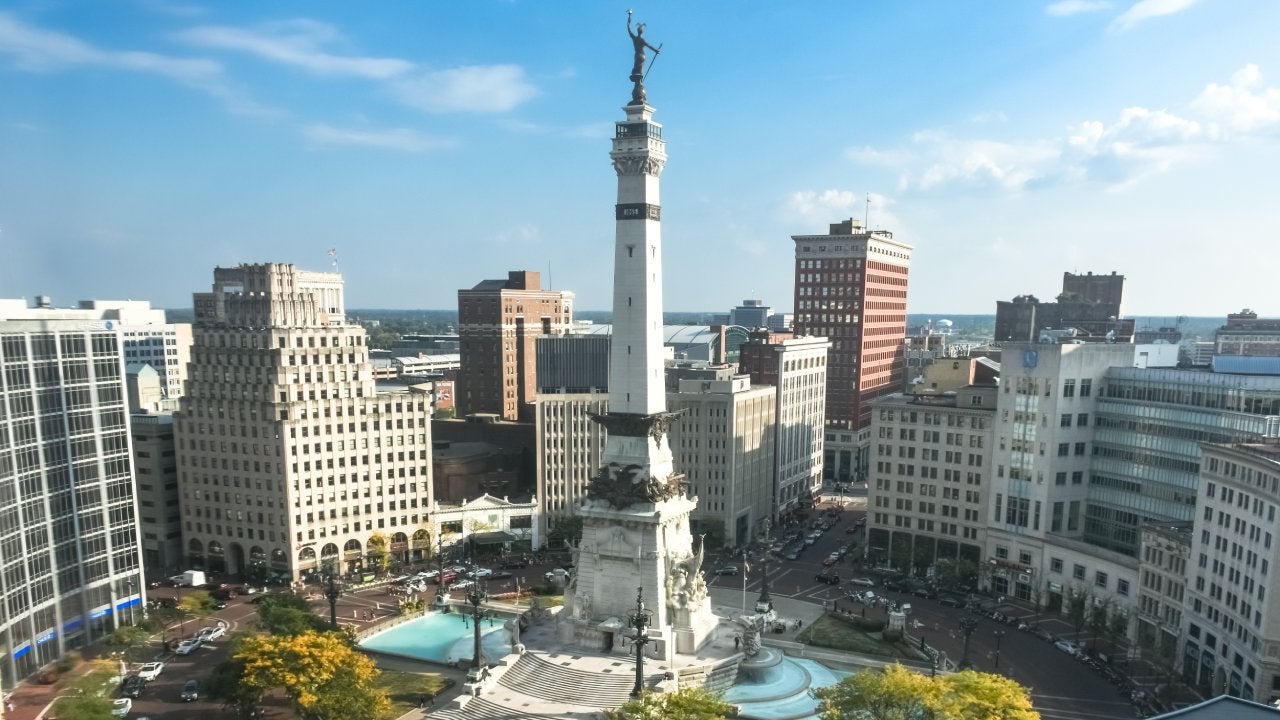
(492, 538)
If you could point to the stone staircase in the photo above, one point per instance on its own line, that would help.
(481, 709)
(549, 677)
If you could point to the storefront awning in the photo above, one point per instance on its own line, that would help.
(492, 538)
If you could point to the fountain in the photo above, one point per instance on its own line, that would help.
(772, 686)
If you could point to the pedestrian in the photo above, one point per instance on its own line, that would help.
(799, 624)
(9, 706)
(422, 700)
(737, 641)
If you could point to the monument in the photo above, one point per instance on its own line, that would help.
(636, 516)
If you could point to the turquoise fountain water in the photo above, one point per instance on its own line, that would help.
(445, 638)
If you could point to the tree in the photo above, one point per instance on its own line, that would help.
(1117, 630)
(1077, 609)
(376, 552)
(566, 529)
(282, 614)
(1099, 616)
(692, 703)
(323, 676)
(895, 694)
(224, 684)
(197, 602)
(901, 694)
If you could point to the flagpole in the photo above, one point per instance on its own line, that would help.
(745, 569)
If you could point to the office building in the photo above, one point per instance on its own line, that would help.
(1232, 617)
(797, 369)
(69, 540)
(155, 468)
(724, 445)
(1089, 305)
(851, 288)
(499, 322)
(1247, 334)
(289, 458)
(751, 314)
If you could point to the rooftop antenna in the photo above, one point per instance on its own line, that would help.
(866, 214)
(333, 258)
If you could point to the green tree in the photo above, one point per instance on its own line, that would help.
(900, 694)
(691, 703)
(566, 529)
(284, 614)
(1117, 630)
(324, 677)
(197, 602)
(1077, 609)
(224, 684)
(1099, 617)
(376, 552)
(82, 707)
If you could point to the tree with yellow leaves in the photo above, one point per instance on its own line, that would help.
(320, 672)
(901, 694)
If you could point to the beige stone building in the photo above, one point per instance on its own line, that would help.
(289, 457)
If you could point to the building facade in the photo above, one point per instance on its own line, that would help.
(1231, 620)
(69, 544)
(289, 458)
(499, 322)
(851, 287)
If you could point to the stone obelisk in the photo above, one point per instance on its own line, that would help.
(636, 516)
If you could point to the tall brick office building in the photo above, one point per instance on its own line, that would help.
(498, 324)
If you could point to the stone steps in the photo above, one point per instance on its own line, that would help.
(543, 677)
(481, 709)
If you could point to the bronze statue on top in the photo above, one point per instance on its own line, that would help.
(638, 70)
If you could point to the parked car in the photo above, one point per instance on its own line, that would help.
(212, 633)
(514, 564)
(829, 578)
(481, 572)
(951, 599)
(925, 591)
(191, 690)
(851, 530)
(1067, 647)
(121, 707)
(461, 584)
(133, 686)
(151, 671)
(794, 554)
(727, 570)
(863, 582)
(186, 647)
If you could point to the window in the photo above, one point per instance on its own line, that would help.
(1002, 552)
(1024, 558)
(1060, 478)
(1086, 387)
(1068, 388)
(1064, 449)
(1077, 477)
(1082, 420)
(1055, 565)
(1077, 572)
(1122, 587)
(1100, 579)
(1080, 448)
(1065, 420)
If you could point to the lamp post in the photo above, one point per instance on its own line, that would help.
(764, 603)
(967, 626)
(332, 591)
(640, 619)
(440, 589)
(999, 634)
(479, 670)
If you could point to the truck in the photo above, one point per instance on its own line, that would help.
(189, 578)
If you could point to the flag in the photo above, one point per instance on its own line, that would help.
(333, 252)
(746, 566)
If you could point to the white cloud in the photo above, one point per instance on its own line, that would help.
(1244, 106)
(297, 43)
(982, 162)
(475, 88)
(402, 139)
(38, 50)
(1146, 9)
(811, 205)
(1075, 7)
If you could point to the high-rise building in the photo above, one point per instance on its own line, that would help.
(724, 445)
(1247, 334)
(155, 468)
(1089, 305)
(499, 322)
(289, 457)
(751, 314)
(69, 540)
(797, 368)
(851, 288)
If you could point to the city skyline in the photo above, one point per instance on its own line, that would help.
(147, 142)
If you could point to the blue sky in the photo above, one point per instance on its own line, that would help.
(436, 144)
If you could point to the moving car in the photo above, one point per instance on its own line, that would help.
(121, 707)
(191, 690)
(186, 647)
(727, 570)
(151, 671)
(133, 686)
(829, 578)
(212, 633)
(481, 572)
(862, 581)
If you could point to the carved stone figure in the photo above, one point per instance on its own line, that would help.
(751, 635)
(624, 487)
(637, 39)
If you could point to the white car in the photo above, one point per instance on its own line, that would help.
(462, 584)
(481, 572)
(186, 647)
(427, 575)
(1067, 647)
(863, 581)
(210, 634)
(151, 671)
(121, 707)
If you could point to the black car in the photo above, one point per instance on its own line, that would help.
(951, 600)
(828, 578)
(132, 687)
(927, 592)
(514, 564)
(191, 691)
(897, 585)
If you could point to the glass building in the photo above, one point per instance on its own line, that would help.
(1147, 435)
(69, 545)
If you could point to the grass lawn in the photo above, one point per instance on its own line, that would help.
(406, 688)
(830, 633)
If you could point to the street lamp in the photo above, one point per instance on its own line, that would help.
(475, 596)
(967, 626)
(640, 619)
(999, 634)
(440, 589)
(764, 603)
(332, 591)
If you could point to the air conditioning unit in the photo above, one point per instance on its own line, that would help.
(1024, 578)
